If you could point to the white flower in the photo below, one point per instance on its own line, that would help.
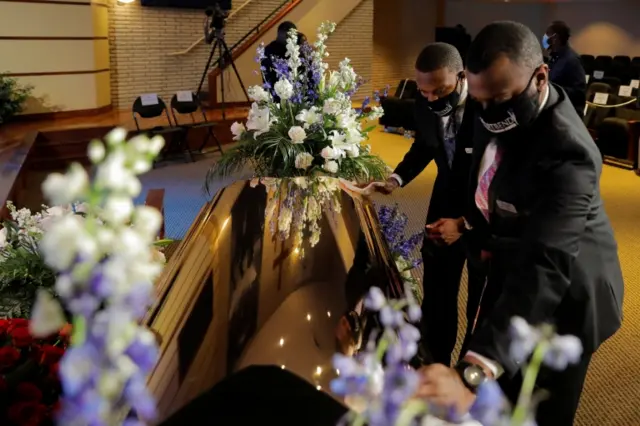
(334, 79)
(116, 136)
(353, 151)
(66, 240)
(376, 112)
(297, 134)
(147, 220)
(238, 129)
(113, 175)
(304, 160)
(3, 232)
(117, 210)
(258, 94)
(348, 77)
(63, 189)
(329, 153)
(354, 136)
(47, 316)
(331, 166)
(259, 120)
(346, 119)
(332, 106)
(337, 138)
(283, 89)
(302, 182)
(309, 116)
(96, 151)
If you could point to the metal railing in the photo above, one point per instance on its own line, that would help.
(254, 30)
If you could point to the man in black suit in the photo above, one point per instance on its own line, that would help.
(534, 209)
(277, 49)
(444, 121)
(565, 67)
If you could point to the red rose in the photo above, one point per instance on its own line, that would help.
(51, 354)
(21, 337)
(27, 413)
(4, 325)
(15, 323)
(53, 372)
(8, 356)
(26, 391)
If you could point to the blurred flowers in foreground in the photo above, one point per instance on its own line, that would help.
(379, 384)
(106, 268)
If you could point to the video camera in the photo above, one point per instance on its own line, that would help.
(218, 13)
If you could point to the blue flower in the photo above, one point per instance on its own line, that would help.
(375, 300)
(489, 406)
(563, 350)
(524, 339)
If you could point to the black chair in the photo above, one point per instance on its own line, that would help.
(621, 68)
(618, 136)
(399, 109)
(191, 107)
(602, 63)
(172, 135)
(587, 63)
(613, 82)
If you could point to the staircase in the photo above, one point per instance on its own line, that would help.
(307, 15)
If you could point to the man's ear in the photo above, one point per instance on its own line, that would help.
(542, 77)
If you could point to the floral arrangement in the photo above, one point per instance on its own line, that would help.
(385, 395)
(29, 384)
(302, 135)
(393, 225)
(106, 267)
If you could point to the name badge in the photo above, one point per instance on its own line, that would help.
(468, 150)
(506, 206)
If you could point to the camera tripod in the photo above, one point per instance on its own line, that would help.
(224, 59)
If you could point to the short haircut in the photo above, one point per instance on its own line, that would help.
(505, 38)
(561, 30)
(285, 27)
(437, 56)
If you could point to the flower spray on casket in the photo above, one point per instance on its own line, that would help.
(301, 136)
(106, 265)
(379, 385)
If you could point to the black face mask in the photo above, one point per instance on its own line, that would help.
(446, 105)
(520, 110)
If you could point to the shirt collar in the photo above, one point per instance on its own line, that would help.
(463, 92)
(545, 98)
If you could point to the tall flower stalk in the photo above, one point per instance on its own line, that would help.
(379, 384)
(106, 267)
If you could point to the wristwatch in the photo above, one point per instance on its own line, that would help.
(472, 375)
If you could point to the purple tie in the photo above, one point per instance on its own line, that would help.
(482, 192)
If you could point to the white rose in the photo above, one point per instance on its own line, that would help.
(283, 89)
(309, 117)
(304, 160)
(329, 153)
(3, 235)
(331, 166)
(258, 94)
(297, 134)
(331, 106)
(237, 129)
(259, 120)
(352, 151)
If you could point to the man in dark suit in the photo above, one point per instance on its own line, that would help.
(444, 121)
(277, 49)
(565, 68)
(534, 209)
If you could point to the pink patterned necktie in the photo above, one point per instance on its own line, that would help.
(482, 192)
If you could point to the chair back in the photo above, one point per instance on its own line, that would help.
(153, 110)
(185, 106)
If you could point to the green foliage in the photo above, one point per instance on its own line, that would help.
(12, 97)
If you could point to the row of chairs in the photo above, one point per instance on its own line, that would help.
(182, 104)
(623, 68)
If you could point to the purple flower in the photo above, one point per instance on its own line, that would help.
(84, 304)
(414, 312)
(260, 53)
(78, 369)
(375, 300)
(390, 317)
(139, 397)
(489, 406)
(524, 339)
(563, 350)
(400, 383)
(143, 351)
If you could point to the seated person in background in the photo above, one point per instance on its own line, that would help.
(302, 39)
(277, 49)
(565, 68)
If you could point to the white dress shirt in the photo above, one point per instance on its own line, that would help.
(445, 120)
(487, 160)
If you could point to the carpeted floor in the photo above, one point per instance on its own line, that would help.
(613, 388)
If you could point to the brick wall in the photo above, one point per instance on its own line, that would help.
(353, 39)
(141, 37)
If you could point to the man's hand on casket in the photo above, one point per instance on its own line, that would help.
(443, 387)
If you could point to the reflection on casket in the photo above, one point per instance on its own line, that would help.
(232, 297)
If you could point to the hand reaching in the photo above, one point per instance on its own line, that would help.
(448, 230)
